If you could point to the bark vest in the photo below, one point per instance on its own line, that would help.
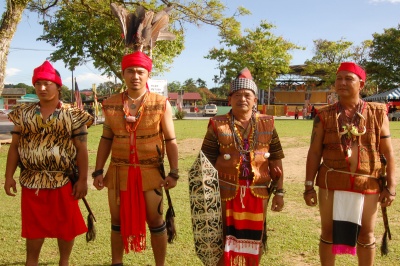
(148, 135)
(334, 157)
(228, 166)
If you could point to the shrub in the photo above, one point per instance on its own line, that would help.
(180, 115)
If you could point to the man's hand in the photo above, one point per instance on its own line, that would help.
(98, 182)
(169, 183)
(10, 183)
(310, 197)
(386, 197)
(80, 189)
(277, 203)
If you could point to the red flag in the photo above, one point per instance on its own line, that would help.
(78, 98)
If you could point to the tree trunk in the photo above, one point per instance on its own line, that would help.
(9, 23)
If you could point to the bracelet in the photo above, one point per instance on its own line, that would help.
(97, 173)
(280, 192)
(173, 175)
(390, 193)
(309, 191)
(174, 171)
(309, 183)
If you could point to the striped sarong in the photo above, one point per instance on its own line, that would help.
(244, 224)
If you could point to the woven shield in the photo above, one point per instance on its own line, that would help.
(205, 204)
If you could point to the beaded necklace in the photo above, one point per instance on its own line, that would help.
(131, 120)
(244, 146)
(53, 116)
(349, 127)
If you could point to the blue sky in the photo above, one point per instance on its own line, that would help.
(298, 21)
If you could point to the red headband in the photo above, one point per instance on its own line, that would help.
(46, 72)
(353, 68)
(138, 59)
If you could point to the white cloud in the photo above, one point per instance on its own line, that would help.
(12, 72)
(86, 80)
(390, 1)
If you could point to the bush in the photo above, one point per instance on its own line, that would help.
(180, 115)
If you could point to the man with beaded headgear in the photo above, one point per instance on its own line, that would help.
(48, 140)
(351, 137)
(244, 147)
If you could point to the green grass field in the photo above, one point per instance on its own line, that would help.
(293, 233)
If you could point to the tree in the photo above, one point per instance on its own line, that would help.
(65, 94)
(86, 32)
(201, 83)
(206, 95)
(174, 86)
(384, 65)
(264, 54)
(9, 22)
(76, 27)
(328, 56)
(108, 88)
(189, 85)
(29, 89)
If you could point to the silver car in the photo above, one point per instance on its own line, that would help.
(210, 110)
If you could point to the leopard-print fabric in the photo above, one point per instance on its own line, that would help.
(47, 153)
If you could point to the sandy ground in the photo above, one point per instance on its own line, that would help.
(293, 163)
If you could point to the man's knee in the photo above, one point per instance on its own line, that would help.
(368, 245)
(158, 230)
(116, 228)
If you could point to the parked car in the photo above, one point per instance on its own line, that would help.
(210, 109)
(5, 111)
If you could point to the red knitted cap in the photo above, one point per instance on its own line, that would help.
(353, 68)
(46, 72)
(138, 59)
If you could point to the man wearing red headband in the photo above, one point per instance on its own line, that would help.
(136, 121)
(349, 136)
(48, 140)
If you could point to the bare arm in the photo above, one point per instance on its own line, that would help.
(103, 151)
(313, 161)
(276, 170)
(80, 142)
(171, 145)
(385, 148)
(12, 163)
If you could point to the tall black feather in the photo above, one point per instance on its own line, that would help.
(134, 22)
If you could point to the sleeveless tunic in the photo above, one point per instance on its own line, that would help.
(228, 170)
(148, 135)
(334, 157)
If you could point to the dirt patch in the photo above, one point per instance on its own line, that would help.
(294, 163)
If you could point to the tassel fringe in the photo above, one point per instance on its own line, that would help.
(384, 245)
(91, 233)
(170, 221)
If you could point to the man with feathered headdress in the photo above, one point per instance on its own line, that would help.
(244, 147)
(137, 121)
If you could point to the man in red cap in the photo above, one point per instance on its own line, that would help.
(136, 121)
(244, 147)
(48, 140)
(349, 136)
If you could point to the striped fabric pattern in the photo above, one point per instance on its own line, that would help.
(347, 213)
(244, 223)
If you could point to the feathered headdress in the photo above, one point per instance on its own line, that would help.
(142, 28)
